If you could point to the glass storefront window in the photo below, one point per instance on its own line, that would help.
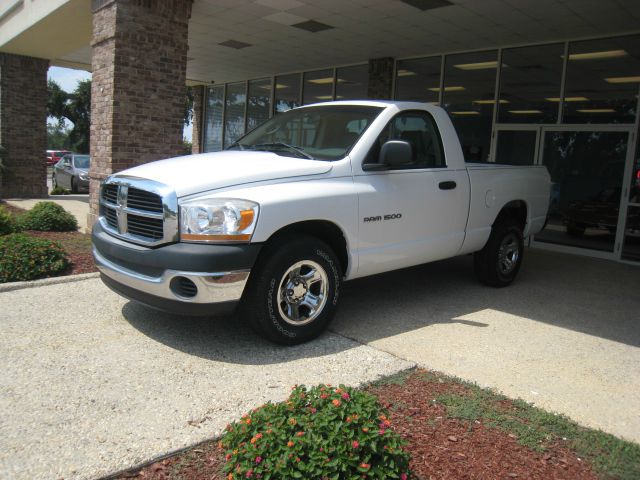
(604, 75)
(469, 93)
(530, 81)
(353, 82)
(516, 147)
(259, 104)
(418, 80)
(234, 112)
(318, 86)
(287, 94)
(213, 119)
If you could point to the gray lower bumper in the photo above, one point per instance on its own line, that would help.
(210, 287)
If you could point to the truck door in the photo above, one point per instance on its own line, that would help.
(414, 213)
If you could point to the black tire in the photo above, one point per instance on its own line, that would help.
(498, 263)
(74, 185)
(270, 304)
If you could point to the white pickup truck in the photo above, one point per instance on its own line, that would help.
(313, 197)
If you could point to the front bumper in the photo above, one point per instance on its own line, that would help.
(189, 279)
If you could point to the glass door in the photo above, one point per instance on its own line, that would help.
(631, 226)
(587, 167)
(515, 144)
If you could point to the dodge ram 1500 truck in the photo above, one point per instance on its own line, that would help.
(313, 197)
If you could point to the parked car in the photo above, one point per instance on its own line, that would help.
(317, 195)
(54, 156)
(72, 173)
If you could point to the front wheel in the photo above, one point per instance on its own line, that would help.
(498, 263)
(74, 185)
(293, 291)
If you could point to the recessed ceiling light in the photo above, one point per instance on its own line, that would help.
(567, 99)
(597, 55)
(405, 73)
(525, 112)
(324, 81)
(235, 44)
(489, 102)
(324, 97)
(447, 89)
(466, 112)
(427, 4)
(279, 86)
(622, 79)
(312, 26)
(478, 65)
(596, 110)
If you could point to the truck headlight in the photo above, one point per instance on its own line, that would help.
(217, 220)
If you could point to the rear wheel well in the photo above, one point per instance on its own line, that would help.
(517, 210)
(323, 230)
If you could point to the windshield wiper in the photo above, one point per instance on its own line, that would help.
(280, 145)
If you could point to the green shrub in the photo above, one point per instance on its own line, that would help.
(323, 432)
(58, 190)
(26, 258)
(7, 222)
(48, 217)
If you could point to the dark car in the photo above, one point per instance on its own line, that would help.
(72, 173)
(54, 156)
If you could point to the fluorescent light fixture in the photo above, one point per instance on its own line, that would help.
(324, 97)
(489, 102)
(279, 86)
(623, 79)
(466, 112)
(324, 81)
(567, 99)
(597, 110)
(525, 112)
(405, 73)
(597, 55)
(447, 89)
(478, 65)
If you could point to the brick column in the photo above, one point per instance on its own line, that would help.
(380, 78)
(139, 62)
(198, 116)
(23, 126)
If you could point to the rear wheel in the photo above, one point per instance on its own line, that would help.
(74, 185)
(293, 290)
(498, 263)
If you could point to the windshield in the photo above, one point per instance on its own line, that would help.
(81, 161)
(323, 133)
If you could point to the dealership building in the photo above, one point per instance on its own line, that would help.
(526, 82)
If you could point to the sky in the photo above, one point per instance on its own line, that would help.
(68, 79)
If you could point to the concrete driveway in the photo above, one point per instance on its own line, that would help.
(93, 383)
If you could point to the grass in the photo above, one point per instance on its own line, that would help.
(535, 428)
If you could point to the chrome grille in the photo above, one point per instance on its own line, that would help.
(140, 211)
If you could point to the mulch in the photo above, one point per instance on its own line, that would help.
(441, 447)
(78, 248)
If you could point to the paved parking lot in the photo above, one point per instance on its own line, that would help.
(93, 383)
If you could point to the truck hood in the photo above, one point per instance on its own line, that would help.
(209, 171)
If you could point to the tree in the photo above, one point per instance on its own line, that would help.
(74, 107)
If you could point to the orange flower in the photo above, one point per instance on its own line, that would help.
(299, 434)
(230, 476)
(290, 444)
(248, 421)
(365, 429)
(366, 466)
(336, 403)
(292, 421)
(254, 440)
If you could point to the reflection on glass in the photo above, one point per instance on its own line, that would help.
(353, 82)
(287, 94)
(418, 80)
(318, 86)
(516, 147)
(631, 245)
(234, 112)
(602, 80)
(586, 171)
(259, 102)
(213, 119)
(530, 84)
(469, 92)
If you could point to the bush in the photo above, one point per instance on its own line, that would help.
(26, 258)
(320, 433)
(48, 217)
(7, 222)
(58, 190)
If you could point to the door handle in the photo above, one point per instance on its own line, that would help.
(449, 185)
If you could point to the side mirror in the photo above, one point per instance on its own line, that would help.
(395, 153)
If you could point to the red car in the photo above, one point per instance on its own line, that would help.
(54, 156)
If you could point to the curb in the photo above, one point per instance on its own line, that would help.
(48, 281)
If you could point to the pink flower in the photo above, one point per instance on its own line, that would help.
(403, 476)
(355, 444)
(345, 395)
(258, 459)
